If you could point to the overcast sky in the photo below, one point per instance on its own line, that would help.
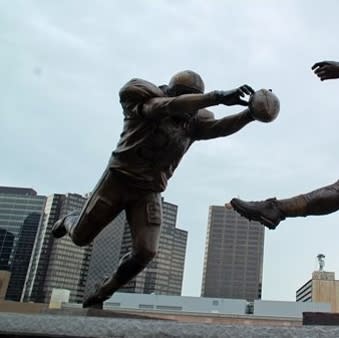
(63, 62)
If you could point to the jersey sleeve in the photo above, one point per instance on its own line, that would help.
(202, 123)
(135, 93)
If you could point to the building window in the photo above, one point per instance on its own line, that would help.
(146, 306)
(168, 307)
(114, 304)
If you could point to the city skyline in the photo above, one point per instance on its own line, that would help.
(47, 254)
(42, 263)
(88, 284)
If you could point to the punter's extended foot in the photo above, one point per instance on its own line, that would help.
(266, 212)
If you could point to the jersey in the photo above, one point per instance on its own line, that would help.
(149, 150)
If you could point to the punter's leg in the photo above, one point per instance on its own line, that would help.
(144, 217)
(270, 212)
(322, 201)
(104, 204)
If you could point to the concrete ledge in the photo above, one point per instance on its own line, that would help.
(20, 325)
(29, 308)
(98, 313)
(180, 316)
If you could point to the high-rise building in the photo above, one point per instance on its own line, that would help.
(35, 280)
(22, 255)
(233, 256)
(16, 204)
(164, 275)
(20, 215)
(58, 264)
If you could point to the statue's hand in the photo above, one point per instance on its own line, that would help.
(326, 70)
(234, 96)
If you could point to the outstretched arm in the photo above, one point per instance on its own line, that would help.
(207, 127)
(326, 70)
(182, 107)
(186, 106)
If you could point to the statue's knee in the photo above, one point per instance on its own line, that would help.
(146, 255)
(150, 254)
(80, 241)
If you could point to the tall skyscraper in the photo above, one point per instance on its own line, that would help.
(20, 215)
(57, 263)
(233, 256)
(21, 257)
(164, 275)
(35, 280)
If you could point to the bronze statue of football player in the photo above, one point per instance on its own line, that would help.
(318, 202)
(160, 124)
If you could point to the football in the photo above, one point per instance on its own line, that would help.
(264, 105)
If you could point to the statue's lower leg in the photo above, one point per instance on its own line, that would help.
(130, 266)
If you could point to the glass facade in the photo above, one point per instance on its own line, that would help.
(233, 256)
(22, 256)
(20, 215)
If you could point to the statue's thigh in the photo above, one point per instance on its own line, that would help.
(104, 204)
(144, 218)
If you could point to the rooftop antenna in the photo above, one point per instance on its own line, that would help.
(321, 261)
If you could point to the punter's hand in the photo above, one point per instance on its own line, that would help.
(326, 70)
(234, 96)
